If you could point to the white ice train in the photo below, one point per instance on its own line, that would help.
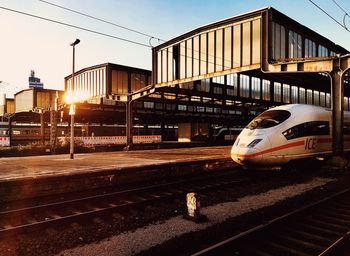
(286, 133)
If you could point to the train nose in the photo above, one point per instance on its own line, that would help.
(246, 156)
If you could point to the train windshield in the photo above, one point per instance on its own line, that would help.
(268, 119)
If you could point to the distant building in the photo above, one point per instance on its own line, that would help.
(34, 82)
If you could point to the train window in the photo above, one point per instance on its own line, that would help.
(307, 129)
(268, 119)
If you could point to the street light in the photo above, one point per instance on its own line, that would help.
(72, 106)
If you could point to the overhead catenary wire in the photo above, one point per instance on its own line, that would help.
(345, 13)
(101, 20)
(330, 16)
(74, 26)
(107, 22)
(97, 32)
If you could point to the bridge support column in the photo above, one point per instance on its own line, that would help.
(338, 161)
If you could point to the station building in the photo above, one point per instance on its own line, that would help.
(219, 75)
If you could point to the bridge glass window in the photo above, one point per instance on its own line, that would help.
(294, 45)
(310, 48)
(322, 51)
(278, 40)
(203, 54)
(309, 95)
(312, 128)
(269, 119)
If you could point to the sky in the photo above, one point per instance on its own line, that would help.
(28, 43)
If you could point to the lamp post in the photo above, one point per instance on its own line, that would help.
(72, 106)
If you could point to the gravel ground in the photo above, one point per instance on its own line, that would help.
(159, 229)
(141, 239)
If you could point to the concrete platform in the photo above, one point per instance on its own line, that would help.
(27, 177)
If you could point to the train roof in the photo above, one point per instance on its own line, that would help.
(301, 108)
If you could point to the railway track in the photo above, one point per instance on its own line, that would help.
(322, 228)
(28, 218)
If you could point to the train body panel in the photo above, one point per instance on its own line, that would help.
(285, 133)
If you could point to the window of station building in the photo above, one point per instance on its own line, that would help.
(232, 79)
(138, 81)
(159, 105)
(200, 109)
(294, 45)
(266, 89)
(195, 98)
(148, 104)
(310, 48)
(191, 108)
(255, 88)
(182, 107)
(312, 128)
(333, 54)
(244, 90)
(278, 35)
(309, 97)
(119, 82)
(217, 90)
(230, 92)
(183, 97)
(295, 93)
(224, 111)
(277, 91)
(170, 106)
(206, 99)
(217, 110)
(286, 93)
(188, 85)
(322, 51)
(302, 95)
(230, 102)
(204, 85)
(219, 79)
(209, 110)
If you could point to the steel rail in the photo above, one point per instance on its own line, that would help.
(231, 243)
(143, 195)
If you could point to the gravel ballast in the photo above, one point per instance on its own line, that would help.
(141, 239)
